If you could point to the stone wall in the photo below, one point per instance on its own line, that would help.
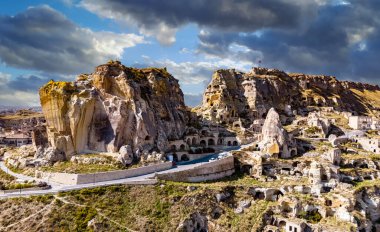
(63, 178)
(121, 174)
(209, 171)
(73, 179)
(22, 190)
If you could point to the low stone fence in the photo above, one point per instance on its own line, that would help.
(73, 179)
(23, 190)
(209, 171)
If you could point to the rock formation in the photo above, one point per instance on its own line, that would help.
(112, 107)
(232, 95)
(275, 139)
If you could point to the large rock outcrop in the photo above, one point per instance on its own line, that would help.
(112, 107)
(232, 94)
(275, 139)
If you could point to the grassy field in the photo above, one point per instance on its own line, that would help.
(9, 182)
(71, 167)
(128, 208)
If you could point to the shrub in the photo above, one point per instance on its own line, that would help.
(311, 217)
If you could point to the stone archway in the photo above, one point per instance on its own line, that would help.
(203, 143)
(175, 157)
(185, 157)
(194, 141)
(211, 142)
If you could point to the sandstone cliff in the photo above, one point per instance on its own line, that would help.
(232, 95)
(112, 107)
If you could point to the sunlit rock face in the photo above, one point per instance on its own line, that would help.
(112, 107)
(232, 94)
(275, 139)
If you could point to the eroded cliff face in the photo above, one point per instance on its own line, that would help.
(112, 107)
(232, 95)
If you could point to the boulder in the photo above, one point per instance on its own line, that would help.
(222, 196)
(125, 155)
(51, 155)
(195, 223)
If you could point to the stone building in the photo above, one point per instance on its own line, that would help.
(370, 144)
(316, 120)
(360, 122)
(16, 139)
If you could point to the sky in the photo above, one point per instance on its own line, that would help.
(59, 39)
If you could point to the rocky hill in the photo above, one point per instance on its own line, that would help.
(232, 94)
(112, 107)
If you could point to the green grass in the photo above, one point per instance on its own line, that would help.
(366, 184)
(8, 182)
(71, 167)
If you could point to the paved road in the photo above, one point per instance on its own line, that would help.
(58, 187)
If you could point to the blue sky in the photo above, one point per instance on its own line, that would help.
(43, 40)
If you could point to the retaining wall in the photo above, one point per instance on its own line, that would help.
(209, 171)
(73, 179)
(22, 190)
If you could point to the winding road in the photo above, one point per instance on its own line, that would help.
(142, 180)
(58, 187)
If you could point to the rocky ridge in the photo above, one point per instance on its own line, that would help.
(232, 94)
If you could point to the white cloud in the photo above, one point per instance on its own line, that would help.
(4, 78)
(54, 44)
(113, 44)
(163, 33)
(19, 98)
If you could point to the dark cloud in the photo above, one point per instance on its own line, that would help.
(23, 90)
(162, 18)
(337, 37)
(28, 83)
(342, 40)
(43, 39)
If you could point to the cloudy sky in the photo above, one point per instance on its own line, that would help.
(58, 39)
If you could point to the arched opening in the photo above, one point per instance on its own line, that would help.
(282, 224)
(259, 196)
(182, 147)
(188, 141)
(194, 141)
(175, 157)
(229, 143)
(328, 202)
(277, 195)
(184, 157)
(211, 142)
(235, 143)
(203, 143)
(174, 148)
(363, 166)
